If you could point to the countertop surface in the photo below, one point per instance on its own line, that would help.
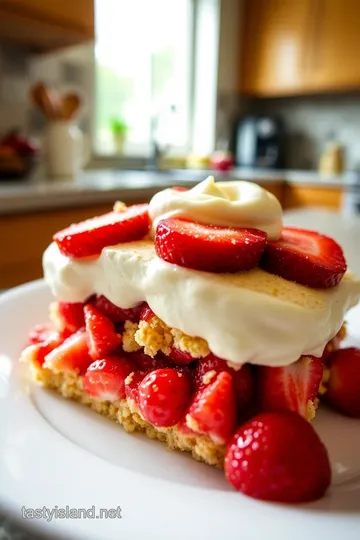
(102, 186)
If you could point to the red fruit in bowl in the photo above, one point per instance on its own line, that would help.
(306, 257)
(208, 247)
(105, 378)
(278, 457)
(212, 410)
(102, 336)
(343, 387)
(91, 236)
(222, 161)
(163, 397)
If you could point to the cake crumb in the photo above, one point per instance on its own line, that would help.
(128, 337)
(192, 423)
(119, 206)
(155, 336)
(208, 376)
(129, 378)
(195, 346)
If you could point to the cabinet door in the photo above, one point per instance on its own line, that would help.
(73, 13)
(335, 63)
(275, 46)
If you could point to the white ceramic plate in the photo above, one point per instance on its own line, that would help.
(55, 453)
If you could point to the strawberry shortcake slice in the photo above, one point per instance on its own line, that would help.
(203, 322)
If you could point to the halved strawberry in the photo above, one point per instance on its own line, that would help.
(72, 315)
(91, 236)
(306, 257)
(103, 338)
(115, 313)
(212, 411)
(105, 378)
(343, 387)
(208, 247)
(180, 357)
(71, 355)
(243, 380)
(132, 385)
(146, 313)
(36, 352)
(293, 387)
(148, 363)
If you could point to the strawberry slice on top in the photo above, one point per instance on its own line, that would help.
(293, 387)
(89, 237)
(208, 247)
(306, 257)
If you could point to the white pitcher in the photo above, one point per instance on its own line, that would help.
(66, 152)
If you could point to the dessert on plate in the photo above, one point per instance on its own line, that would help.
(202, 321)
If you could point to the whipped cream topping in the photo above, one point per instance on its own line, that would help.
(251, 316)
(228, 204)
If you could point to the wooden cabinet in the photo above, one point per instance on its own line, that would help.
(300, 46)
(304, 196)
(45, 25)
(275, 45)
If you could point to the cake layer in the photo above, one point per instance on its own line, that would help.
(249, 317)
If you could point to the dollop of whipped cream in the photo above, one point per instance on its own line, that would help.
(228, 204)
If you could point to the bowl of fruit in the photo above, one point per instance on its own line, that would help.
(18, 156)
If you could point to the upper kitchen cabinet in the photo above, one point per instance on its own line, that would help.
(45, 25)
(274, 46)
(300, 46)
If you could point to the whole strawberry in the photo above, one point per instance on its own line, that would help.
(343, 388)
(278, 457)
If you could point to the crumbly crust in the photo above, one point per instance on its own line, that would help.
(125, 412)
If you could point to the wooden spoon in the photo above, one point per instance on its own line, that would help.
(46, 100)
(70, 105)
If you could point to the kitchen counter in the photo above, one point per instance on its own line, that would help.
(106, 186)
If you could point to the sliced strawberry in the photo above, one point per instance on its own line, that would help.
(146, 313)
(105, 378)
(243, 380)
(212, 411)
(41, 333)
(103, 338)
(290, 387)
(115, 313)
(208, 247)
(36, 352)
(306, 257)
(91, 236)
(180, 357)
(132, 385)
(163, 397)
(71, 355)
(72, 315)
(343, 387)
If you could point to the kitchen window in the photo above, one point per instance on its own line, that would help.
(144, 75)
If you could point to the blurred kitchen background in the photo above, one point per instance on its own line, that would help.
(118, 99)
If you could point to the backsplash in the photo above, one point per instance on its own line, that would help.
(310, 120)
(71, 69)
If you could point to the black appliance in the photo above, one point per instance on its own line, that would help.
(258, 142)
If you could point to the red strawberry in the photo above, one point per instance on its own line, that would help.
(208, 247)
(105, 378)
(148, 363)
(103, 339)
(163, 397)
(115, 313)
(290, 387)
(212, 411)
(72, 315)
(91, 236)
(278, 457)
(243, 380)
(146, 314)
(132, 383)
(343, 387)
(71, 355)
(41, 333)
(179, 188)
(180, 357)
(305, 257)
(36, 352)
